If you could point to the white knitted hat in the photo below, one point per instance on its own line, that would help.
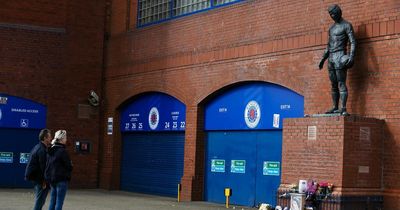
(60, 134)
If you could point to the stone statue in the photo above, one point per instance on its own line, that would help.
(340, 33)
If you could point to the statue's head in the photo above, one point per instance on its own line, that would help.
(335, 12)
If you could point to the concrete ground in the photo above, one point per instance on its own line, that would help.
(22, 199)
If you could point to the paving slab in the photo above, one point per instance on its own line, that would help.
(97, 199)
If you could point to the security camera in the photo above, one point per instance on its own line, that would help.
(93, 98)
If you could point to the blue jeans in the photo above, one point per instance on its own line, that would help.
(40, 196)
(57, 195)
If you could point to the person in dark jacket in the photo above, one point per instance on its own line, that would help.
(36, 167)
(58, 170)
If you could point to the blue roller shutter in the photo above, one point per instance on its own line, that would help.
(152, 163)
(153, 139)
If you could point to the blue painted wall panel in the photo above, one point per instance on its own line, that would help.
(228, 111)
(17, 112)
(153, 112)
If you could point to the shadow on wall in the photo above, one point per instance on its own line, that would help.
(362, 77)
(390, 167)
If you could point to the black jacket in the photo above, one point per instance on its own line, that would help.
(37, 164)
(58, 166)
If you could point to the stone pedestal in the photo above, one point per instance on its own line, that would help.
(346, 151)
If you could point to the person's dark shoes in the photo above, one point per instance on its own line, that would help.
(333, 110)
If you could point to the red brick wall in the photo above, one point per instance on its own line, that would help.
(347, 151)
(241, 24)
(52, 53)
(273, 41)
(44, 13)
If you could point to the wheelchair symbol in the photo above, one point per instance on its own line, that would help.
(24, 123)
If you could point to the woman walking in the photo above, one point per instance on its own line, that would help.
(58, 170)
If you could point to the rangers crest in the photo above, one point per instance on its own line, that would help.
(154, 118)
(252, 114)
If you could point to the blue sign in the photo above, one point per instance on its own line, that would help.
(17, 112)
(255, 105)
(154, 112)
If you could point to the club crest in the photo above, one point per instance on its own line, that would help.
(252, 114)
(154, 118)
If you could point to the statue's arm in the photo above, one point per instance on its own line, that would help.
(326, 53)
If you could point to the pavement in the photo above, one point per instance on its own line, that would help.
(97, 199)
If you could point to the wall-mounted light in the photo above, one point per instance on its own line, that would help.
(93, 98)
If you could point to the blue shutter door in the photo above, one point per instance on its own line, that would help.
(228, 146)
(253, 187)
(152, 163)
(268, 178)
(245, 124)
(15, 141)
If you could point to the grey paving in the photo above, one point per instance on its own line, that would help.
(22, 199)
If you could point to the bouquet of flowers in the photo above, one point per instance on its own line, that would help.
(325, 190)
(317, 191)
(312, 187)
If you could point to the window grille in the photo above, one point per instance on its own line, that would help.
(182, 7)
(154, 11)
(219, 2)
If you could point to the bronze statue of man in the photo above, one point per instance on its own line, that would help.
(340, 33)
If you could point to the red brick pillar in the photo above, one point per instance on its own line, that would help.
(110, 155)
(193, 177)
(345, 151)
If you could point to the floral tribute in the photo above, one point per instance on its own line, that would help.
(317, 191)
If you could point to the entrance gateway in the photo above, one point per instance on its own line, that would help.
(20, 123)
(244, 142)
(153, 136)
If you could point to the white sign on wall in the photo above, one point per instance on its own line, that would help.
(312, 132)
(275, 123)
(110, 126)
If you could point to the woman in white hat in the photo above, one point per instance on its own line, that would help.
(58, 170)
